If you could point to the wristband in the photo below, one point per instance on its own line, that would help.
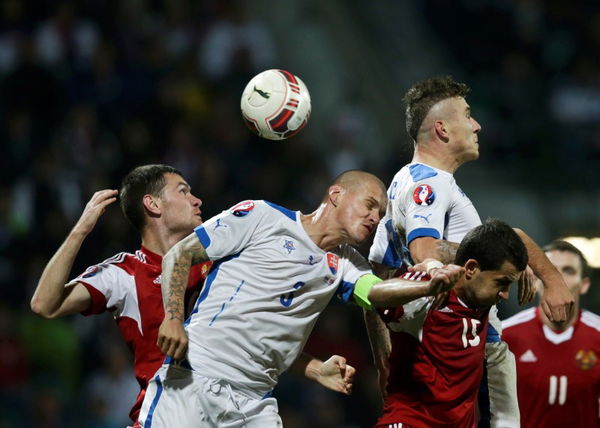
(433, 264)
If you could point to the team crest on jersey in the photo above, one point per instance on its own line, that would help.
(242, 209)
(424, 195)
(585, 359)
(332, 262)
(288, 245)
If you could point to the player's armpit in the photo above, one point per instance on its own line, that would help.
(431, 248)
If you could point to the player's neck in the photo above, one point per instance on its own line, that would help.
(434, 155)
(318, 228)
(560, 326)
(160, 241)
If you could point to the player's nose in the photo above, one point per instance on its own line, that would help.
(476, 126)
(196, 201)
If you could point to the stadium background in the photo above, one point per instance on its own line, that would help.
(90, 89)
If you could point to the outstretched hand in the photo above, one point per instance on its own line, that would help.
(337, 375)
(557, 301)
(172, 338)
(94, 209)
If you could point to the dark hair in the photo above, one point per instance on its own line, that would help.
(425, 94)
(492, 244)
(143, 180)
(559, 245)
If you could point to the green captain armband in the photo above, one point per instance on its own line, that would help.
(361, 290)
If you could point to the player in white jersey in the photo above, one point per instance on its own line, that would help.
(428, 215)
(158, 202)
(274, 271)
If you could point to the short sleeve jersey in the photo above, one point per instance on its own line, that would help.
(558, 371)
(128, 285)
(268, 285)
(423, 202)
(436, 363)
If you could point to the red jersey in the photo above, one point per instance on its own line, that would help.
(558, 374)
(128, 285)
(436, 364)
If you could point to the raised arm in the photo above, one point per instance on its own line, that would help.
(398, 291)
(432, 248)
(51, 298)
(557, 301)
(176, 265)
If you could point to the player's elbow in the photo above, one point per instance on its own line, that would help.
(40, 309)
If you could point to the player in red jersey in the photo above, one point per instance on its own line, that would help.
(557, 363)
(159, 203)
(437, 354)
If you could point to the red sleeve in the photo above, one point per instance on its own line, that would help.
(98, 304)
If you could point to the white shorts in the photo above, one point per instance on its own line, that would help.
(179, 397)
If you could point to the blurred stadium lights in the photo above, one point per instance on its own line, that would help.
(590, 247)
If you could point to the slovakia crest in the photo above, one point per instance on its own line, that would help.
(332, 262)
(585, 359)
(242, 209)
(424, 195)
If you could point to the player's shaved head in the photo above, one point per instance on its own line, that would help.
(424, 95)
(353, 180)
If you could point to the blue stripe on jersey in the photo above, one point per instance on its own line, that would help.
(391, 258)
(422, 232)
(225, 303)
(420, 172)
(267, 395)
(398, 251)
(483, 397)
(289, 213)
(202, 236)
(345, 290)
(207, 284)
(181, 363)
(492, 335)
(159, 389)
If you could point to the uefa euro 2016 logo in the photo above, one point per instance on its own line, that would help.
(424, 195)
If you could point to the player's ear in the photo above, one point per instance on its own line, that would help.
(585, 285)
(441, 130)
(335, 192)
(471, 268)
(151, 204)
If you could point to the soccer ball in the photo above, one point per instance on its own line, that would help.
(275, 104)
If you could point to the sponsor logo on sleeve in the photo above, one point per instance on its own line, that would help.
(242, 209)
(424, 195)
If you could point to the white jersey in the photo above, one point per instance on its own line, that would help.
(267, 287)
(423, 201)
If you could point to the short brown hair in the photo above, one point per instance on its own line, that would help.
(143, 180)
(560, 245)
(425, 94)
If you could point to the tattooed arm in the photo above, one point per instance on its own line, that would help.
(172, 339)
(431, 248)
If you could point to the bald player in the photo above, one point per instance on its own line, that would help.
(275, 270)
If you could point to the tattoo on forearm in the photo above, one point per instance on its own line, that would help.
(446, 251)
(177, 264)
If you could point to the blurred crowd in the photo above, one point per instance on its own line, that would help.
(89, 89)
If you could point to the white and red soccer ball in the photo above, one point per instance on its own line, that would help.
(275, 104)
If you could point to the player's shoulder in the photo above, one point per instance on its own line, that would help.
(590, 319)
(122, 261)
(519, 319)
